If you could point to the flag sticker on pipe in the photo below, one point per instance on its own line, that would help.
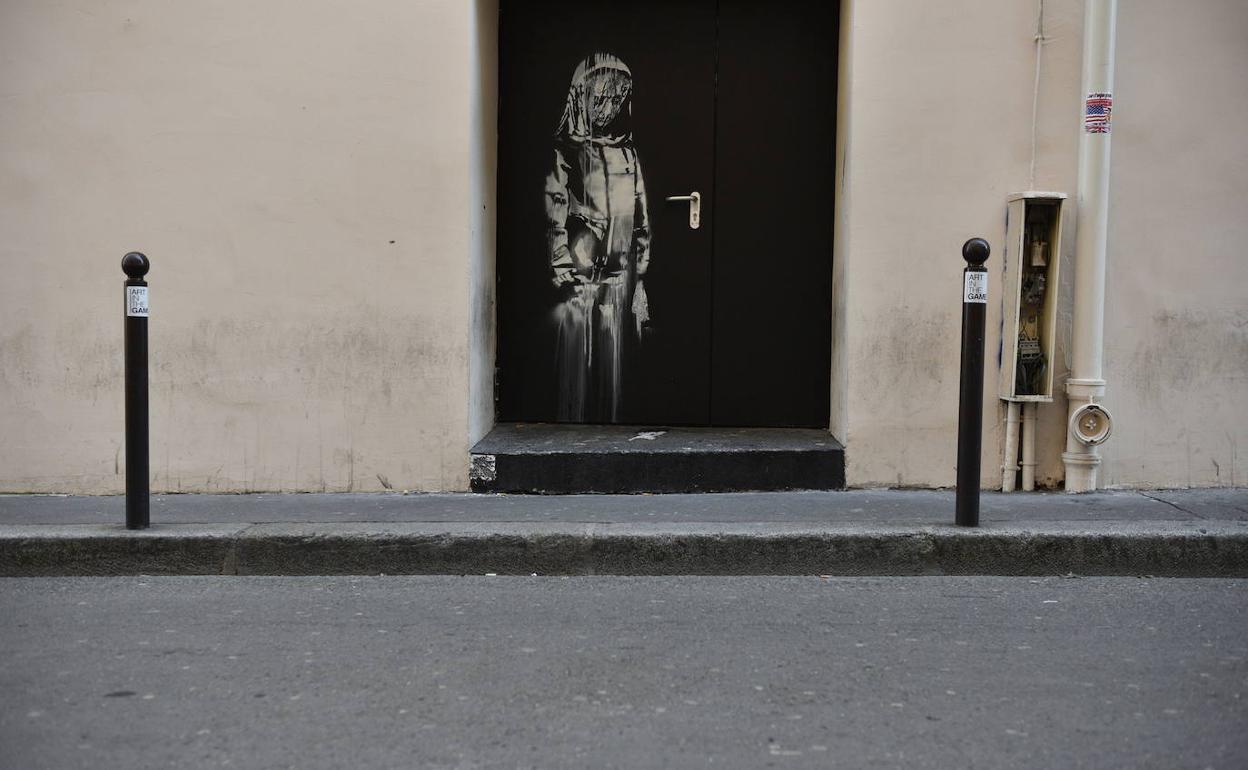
(975, 287)
(1097, 111)
(136, 301)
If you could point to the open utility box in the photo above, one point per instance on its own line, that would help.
(1033, 238)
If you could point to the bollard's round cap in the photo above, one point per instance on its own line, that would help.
(135, 265)
(975, 251)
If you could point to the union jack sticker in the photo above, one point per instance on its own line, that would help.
(1097, 112)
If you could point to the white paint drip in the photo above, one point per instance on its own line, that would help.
(648, 435)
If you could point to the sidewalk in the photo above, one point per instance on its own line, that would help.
(858, 532)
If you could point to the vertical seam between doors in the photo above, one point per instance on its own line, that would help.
(710, 351)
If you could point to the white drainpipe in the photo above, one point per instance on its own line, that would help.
(1029, 446)
(1009, 469)
(1086, 384)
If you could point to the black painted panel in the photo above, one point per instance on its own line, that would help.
(741, 308)
(669, 48)
(773, 204)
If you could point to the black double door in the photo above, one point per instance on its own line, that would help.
(612, 308)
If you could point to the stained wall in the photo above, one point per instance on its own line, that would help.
(314, 185)
(937, 123)
(1176, 340)
(308, 180)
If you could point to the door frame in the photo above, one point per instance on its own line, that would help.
(482, 125)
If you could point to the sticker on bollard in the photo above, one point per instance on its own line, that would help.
(975, 287)
(136, 301)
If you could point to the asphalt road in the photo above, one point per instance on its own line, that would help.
(623, 672)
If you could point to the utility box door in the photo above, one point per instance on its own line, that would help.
(1032, 260)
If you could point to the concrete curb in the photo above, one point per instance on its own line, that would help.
(1176, 549)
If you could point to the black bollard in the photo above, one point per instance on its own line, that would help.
(135, 266)
(971, 393)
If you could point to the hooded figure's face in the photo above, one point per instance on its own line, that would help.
(598, 107)
(607, 91)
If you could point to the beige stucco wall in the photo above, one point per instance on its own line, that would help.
(298, 174)
(937, 129)
(314, 185)
(1176, 352)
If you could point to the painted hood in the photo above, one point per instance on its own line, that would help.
(578, 123)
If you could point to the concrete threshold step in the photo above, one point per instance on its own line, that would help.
(1183, 549)
(543, 458)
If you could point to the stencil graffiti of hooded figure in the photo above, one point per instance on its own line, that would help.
(598, 238)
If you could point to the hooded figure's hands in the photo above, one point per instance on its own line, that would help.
(565, 276)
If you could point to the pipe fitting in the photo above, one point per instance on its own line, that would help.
(1081, 470)
(1090, 424)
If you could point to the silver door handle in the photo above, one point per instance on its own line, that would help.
(695, 207)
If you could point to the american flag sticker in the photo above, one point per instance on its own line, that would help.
(1096, 113)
